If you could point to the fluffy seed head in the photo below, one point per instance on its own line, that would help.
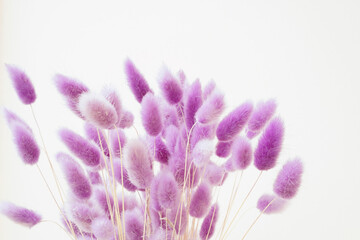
(202, 152)
(117, 135)
(241, 153)
(71, 89)
(89, 153)
(211, 109)
(277, 204)
(200, 201)
(234, 122)
(269, 145)
(174, 216)
(193, 102)
(261, 115)
(97, 110)
(81, 214)
(13, 119)
(136, 81)
(75, 176)
(125, 179)
(288, 180)
(151, 115)
(113, 97)
(22, 84)
(127, 120)
(208, 89)
(138, 163)
(102, 228)
(208, 225)
(223, 149)
(92, 134)
(134, 224)
(168, 192)
(214, 174)
(162, 153)
(26, 145)
(20, 215)
(170, 87)
(202, 131)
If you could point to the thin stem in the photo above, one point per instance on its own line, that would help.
(47, 154)
(243, 202)
(261, 213)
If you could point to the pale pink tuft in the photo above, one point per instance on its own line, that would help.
(261, 115)
(241, 153)
(211, 109)
(151, 115)
(276, 206)
(288, 180)
(97, 110)
(200, 201)
(137, 161)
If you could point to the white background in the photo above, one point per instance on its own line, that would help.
(304, 53)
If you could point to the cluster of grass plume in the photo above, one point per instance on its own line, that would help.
(163, 184)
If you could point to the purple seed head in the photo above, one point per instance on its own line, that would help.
(171, 136)
(22, 84)
(113, 97)
(136, 81)
(276, 206)
(170, 87)
(202, 152)
(13, 119)
(223, 149)
(162, 153)
(211, 109)
(261, 115)
(71, 90)
(75, 176)
(97, 110)
(234, 122)
(94, 177)
(288, 180)
(241, 153)
(168, 192)
(193, 102)
(25, 142)
(117, 135)
(138, 163)
(269, 145)
(88, 152)
(229, 165)
(151, 115)
(154, 200)
(200, 201)
(208, 89)
(81, 214)
(102, 197)
(134, 224)
(214, 174)
(92, 134)
(202, 131)
(102, 228)
(20, 215)
(179, 218)
(125, 179)
(208, 225)
(170, 115)
(127, 120)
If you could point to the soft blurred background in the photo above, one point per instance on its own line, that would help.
(303, 53)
